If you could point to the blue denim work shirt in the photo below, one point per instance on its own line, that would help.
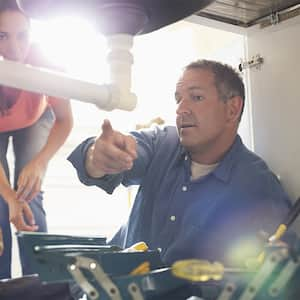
(216, 217)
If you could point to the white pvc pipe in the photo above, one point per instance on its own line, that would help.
(107, 97)
(120, 61)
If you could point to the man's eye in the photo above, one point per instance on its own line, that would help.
(197, 98)
(177, 99)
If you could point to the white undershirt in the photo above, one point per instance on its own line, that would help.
(199, 170)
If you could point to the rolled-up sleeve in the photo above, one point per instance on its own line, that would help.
(147, 142)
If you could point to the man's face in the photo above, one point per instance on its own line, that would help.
(14, 35)
(202, 118)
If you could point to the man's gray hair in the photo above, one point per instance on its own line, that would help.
(228, 81)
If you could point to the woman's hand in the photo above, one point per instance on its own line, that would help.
(30, 179)
(20, 214)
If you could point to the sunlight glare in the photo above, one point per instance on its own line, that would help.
(73, 44)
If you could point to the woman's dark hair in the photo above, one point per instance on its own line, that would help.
(6, 5)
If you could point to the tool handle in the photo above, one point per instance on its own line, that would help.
(197, 270)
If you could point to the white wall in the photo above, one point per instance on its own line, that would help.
(275, 98)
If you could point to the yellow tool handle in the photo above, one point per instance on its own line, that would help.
(197, 270)
(141, 269)
(282, 228)
(141, 246)
(138, 247)
(255, 262)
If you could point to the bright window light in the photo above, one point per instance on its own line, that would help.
(73, 44)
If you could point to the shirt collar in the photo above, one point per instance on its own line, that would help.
(225, 166)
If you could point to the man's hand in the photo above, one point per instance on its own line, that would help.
(30, 179)
(21, 215)
(112, 152)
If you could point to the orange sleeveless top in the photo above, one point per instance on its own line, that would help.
(26, 111)
(29, 106)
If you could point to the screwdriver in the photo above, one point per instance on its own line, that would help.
(280, 231)
(198, 270)
(290, 218)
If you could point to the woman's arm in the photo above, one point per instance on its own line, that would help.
(60, 130)
(5, 189)
(30, 178)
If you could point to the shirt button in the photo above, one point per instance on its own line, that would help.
(173, 218)
(184, 188)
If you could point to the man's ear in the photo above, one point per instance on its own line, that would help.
(234, 108)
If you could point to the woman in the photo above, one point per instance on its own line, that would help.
(37, 126)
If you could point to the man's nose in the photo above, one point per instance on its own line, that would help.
(183, 106)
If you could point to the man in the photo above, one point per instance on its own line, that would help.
(202, 193)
